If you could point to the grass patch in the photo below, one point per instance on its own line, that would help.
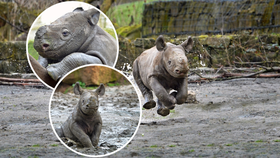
(113, 84)
(172, 111)
(82, 84)
(259, 141)
(228, 144)
(211, 144)
(191, 150)
(277, 140)
(172, 145)
(32, 51)
(54, 145)
(36, 145)
(153, 146)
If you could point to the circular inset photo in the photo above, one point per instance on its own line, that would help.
(68, 35)
(95, 110)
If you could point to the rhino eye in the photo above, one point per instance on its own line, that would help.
(169, 62)
(65, 32)
(83, 101)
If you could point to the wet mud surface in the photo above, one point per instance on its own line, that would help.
(120, 112)
(235, 118)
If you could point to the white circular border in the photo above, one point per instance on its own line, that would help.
(61, 3)
(140, 117)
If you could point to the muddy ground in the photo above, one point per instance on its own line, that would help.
(235, 118)
(120, 112)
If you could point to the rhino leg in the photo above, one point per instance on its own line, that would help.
(162, 110)
(58, 70)
(59, 131)
(168, 100)
(95, 136)
(182, 93)
(81, 135)
(43, 61)
(148, 95)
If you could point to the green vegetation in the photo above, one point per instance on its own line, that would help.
(113, 84)
(110, 31)
(36, 145)
(259, 141)
(121, 14)
(54, 145)
(191, 150)
(211, 144)
(82, 84)
(153, 146)
(277, 140)
(172, 145)
(32, 51)
(228, 144)
(172, 111)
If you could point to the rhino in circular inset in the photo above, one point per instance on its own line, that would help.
(85, 123)
(73, 40)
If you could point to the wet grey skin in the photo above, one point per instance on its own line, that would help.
(161, 69)
(73, 40)
(85, 123)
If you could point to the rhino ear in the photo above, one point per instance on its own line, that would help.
(188, 44)
(160, 43)
(77, 89)
(93, 16)
(100, 90)
(79, 9)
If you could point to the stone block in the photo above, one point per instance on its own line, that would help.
(93, 76)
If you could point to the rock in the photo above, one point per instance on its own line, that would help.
(13, 58)
(93, 76)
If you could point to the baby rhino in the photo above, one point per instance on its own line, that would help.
(161, 69)
(84, 124)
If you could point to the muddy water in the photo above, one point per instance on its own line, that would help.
(120, 112)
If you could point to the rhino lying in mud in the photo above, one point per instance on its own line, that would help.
(73, 40)
(161, 69)
(85, 123)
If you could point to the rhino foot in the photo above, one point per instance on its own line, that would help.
(163, 111)
(150, 104)
(171, 107)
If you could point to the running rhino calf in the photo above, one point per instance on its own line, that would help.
(85, 123)
(73, 40)
(160, 69)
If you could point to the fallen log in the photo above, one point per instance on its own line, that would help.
(18, 80)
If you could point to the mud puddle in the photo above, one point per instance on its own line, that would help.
(120, 112)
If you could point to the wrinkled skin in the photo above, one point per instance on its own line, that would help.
(74, 33)
(161, 69)
(85, 123)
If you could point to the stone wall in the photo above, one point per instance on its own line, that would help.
(13, 58)
(211, 16)
(210, 51)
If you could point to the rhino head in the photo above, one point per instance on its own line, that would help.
(174, 58)
(67, 34)
(88, 103)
